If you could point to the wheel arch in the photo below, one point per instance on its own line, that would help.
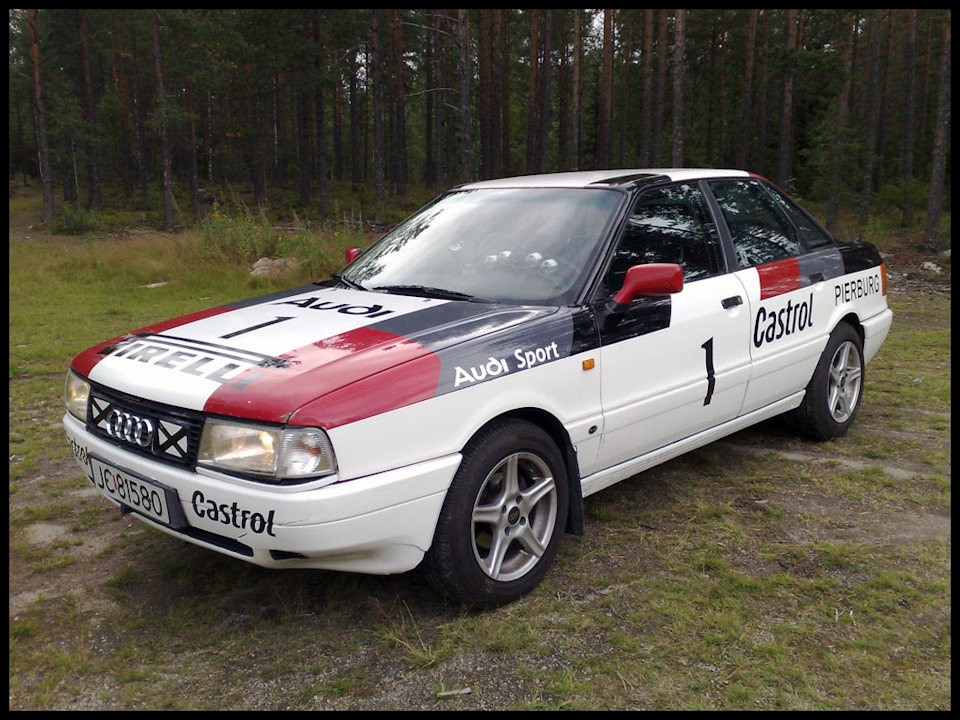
(853, 321)
(555, 429)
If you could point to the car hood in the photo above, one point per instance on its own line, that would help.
(322, 355)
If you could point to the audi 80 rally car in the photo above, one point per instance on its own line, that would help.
(450, 397)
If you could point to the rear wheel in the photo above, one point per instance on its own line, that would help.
(833, 394)
(501, 522)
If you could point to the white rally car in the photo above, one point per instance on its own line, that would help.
(452, 395)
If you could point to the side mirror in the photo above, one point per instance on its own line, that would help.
(352, 254)
(647, 281)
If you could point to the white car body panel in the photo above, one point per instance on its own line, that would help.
(655, 385)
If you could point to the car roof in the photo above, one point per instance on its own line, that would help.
(616, 177)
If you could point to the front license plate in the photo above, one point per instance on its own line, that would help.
(132, 490)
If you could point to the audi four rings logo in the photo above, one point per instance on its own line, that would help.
(133, 429)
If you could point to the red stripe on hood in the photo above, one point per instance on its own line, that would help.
(85, 361)
(779, 277)
(341, 379)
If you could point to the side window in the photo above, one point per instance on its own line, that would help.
(812, 234)
(667, 225)
(761, 232)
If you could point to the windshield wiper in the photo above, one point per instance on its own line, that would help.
(346, 281)
(431, 292)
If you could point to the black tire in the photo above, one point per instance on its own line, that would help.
(500, 526)
(835, 390)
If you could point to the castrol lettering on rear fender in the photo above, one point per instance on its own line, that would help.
(773, 323)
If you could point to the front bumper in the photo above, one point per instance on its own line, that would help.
(378, 524)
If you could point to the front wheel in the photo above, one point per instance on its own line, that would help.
(500, 526)
(833, 394)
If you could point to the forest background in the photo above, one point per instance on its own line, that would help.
(307, 112)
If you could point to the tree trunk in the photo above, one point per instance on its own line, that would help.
(354, 121)
(835, 181)
(338, 130)
(871, 115)
(746, 100)
(606, 92)
(399, 136)
(303, 143)
(759, 153)
(662, 43)
(544, 134)
(127, 169)
(488, 56)
(532, 106)
(376, 90)
(322, 186)
(169, 217)
(140, 111)
(429, 97)
(190, 140)
(906, 167)
(722, 86)
(575, 91)
(785, 138)
(466, 135)
(253, 139)
(646, 111)
(932, 233)
(439, 155)
(43, 140)
(627, 72)
(679, 49)
(505, 134)
(90, 117)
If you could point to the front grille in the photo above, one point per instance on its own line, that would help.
(163, 432)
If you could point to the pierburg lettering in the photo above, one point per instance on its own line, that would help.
(232, 515)
(772, 325)
(854, 289)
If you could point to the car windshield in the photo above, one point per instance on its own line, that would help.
(521, 245)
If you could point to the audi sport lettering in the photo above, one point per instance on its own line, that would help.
(449, 399)
(497, 366)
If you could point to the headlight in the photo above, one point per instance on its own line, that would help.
(75, 393)
(276, 453)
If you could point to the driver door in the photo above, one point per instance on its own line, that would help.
(674, 365)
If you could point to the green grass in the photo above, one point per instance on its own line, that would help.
(760, 572)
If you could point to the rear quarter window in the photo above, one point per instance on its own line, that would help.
(758, 227)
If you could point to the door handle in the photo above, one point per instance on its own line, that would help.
(731, 301)
(816, 277)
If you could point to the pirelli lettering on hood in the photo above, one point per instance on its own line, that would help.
(188, 357)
